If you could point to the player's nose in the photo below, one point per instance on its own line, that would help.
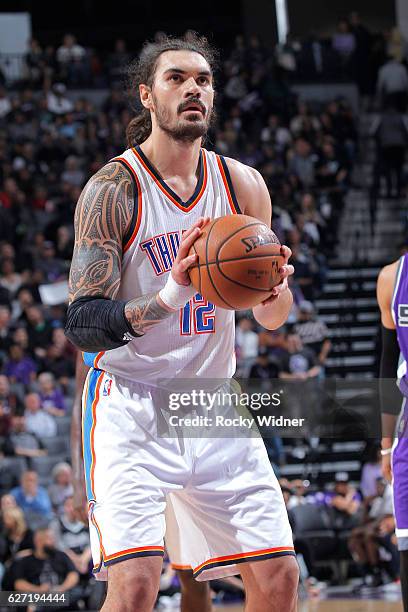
(192, 88)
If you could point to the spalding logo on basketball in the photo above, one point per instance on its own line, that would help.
(238, 262)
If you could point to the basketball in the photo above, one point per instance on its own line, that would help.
(238, 262)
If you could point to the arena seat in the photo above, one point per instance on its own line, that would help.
(56, 446)
(63, 425)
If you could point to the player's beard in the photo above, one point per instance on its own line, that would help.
(185, 128)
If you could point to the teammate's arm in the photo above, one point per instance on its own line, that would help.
(96, 321)
(390, 407)
(254, 200)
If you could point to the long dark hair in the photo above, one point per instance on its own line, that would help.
(142, 71)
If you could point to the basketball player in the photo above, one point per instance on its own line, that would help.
(392, 295)
(195, 596)
(137, 317)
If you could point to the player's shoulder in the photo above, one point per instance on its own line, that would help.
(386, 282)
(388, 273)
(110, 189)
(113, 172)
(241, 173)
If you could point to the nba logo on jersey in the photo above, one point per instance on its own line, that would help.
(403, 315)
(107, 387)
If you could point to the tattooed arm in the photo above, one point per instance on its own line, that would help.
(97, 321)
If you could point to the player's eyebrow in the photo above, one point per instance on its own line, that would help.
(180, 71)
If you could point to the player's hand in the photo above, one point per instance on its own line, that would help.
(386, 467)
(184, 261)
(285, 271)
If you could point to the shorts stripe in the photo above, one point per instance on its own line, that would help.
(102, 552)
(176, 566)
(88, 429)
(258, 555)
(130, 553)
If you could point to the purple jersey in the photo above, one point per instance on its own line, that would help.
(399, 309)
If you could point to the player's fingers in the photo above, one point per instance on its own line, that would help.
(286, 252)
(286, 270)
(187, 243)
(187, 262)
(283, 285)
(199, 223)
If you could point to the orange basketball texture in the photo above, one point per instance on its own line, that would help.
(238, 262)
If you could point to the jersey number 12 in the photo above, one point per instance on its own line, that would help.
(197, 315)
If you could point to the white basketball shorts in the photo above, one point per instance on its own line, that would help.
(226, 504)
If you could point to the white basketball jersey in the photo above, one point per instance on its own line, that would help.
(198, 340)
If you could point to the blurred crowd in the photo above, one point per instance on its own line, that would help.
(51, 142)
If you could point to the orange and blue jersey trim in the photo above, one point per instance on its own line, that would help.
(168, 192)
(91, 396)
(258, 555)
(132, 232)
(92, 359)
(229, 188)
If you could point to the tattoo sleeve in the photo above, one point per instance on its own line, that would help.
(102, 215)
(96, 320)
(144, 312)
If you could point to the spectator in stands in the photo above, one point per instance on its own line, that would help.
(33, 499)
(371, 472)
(23, 443)
(11, 402)
(5, 104)
(16, 542)
(331, 173)
(38, 329)
(72, 536)
(72, 174)
(19, 368)
(38, 421)
(397, 46)
(313, 332)
(17, 537)
(57, 102)
(246, 342)
(343, 41)
(72, 61)
(302, 163)
(304, 123)
(51, 397)
(61, 487)
(390, 131)
(364, 540)
(5, 321)
(47, 569)
(117, 61)
(392, 84)
(298, 490)
(344, 499)
(5, 421)
(263, 369)
(298, 362)
(9, 278)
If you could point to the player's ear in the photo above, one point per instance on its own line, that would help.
(146, 96)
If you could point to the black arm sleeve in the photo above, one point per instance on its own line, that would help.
(98, 324)
(390, 396)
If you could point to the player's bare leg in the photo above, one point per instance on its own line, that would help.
(271, 585)
(133, 585)
(195, 596)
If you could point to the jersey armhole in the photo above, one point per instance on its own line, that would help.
(131, 233)
(396, 286)
(226, 177)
